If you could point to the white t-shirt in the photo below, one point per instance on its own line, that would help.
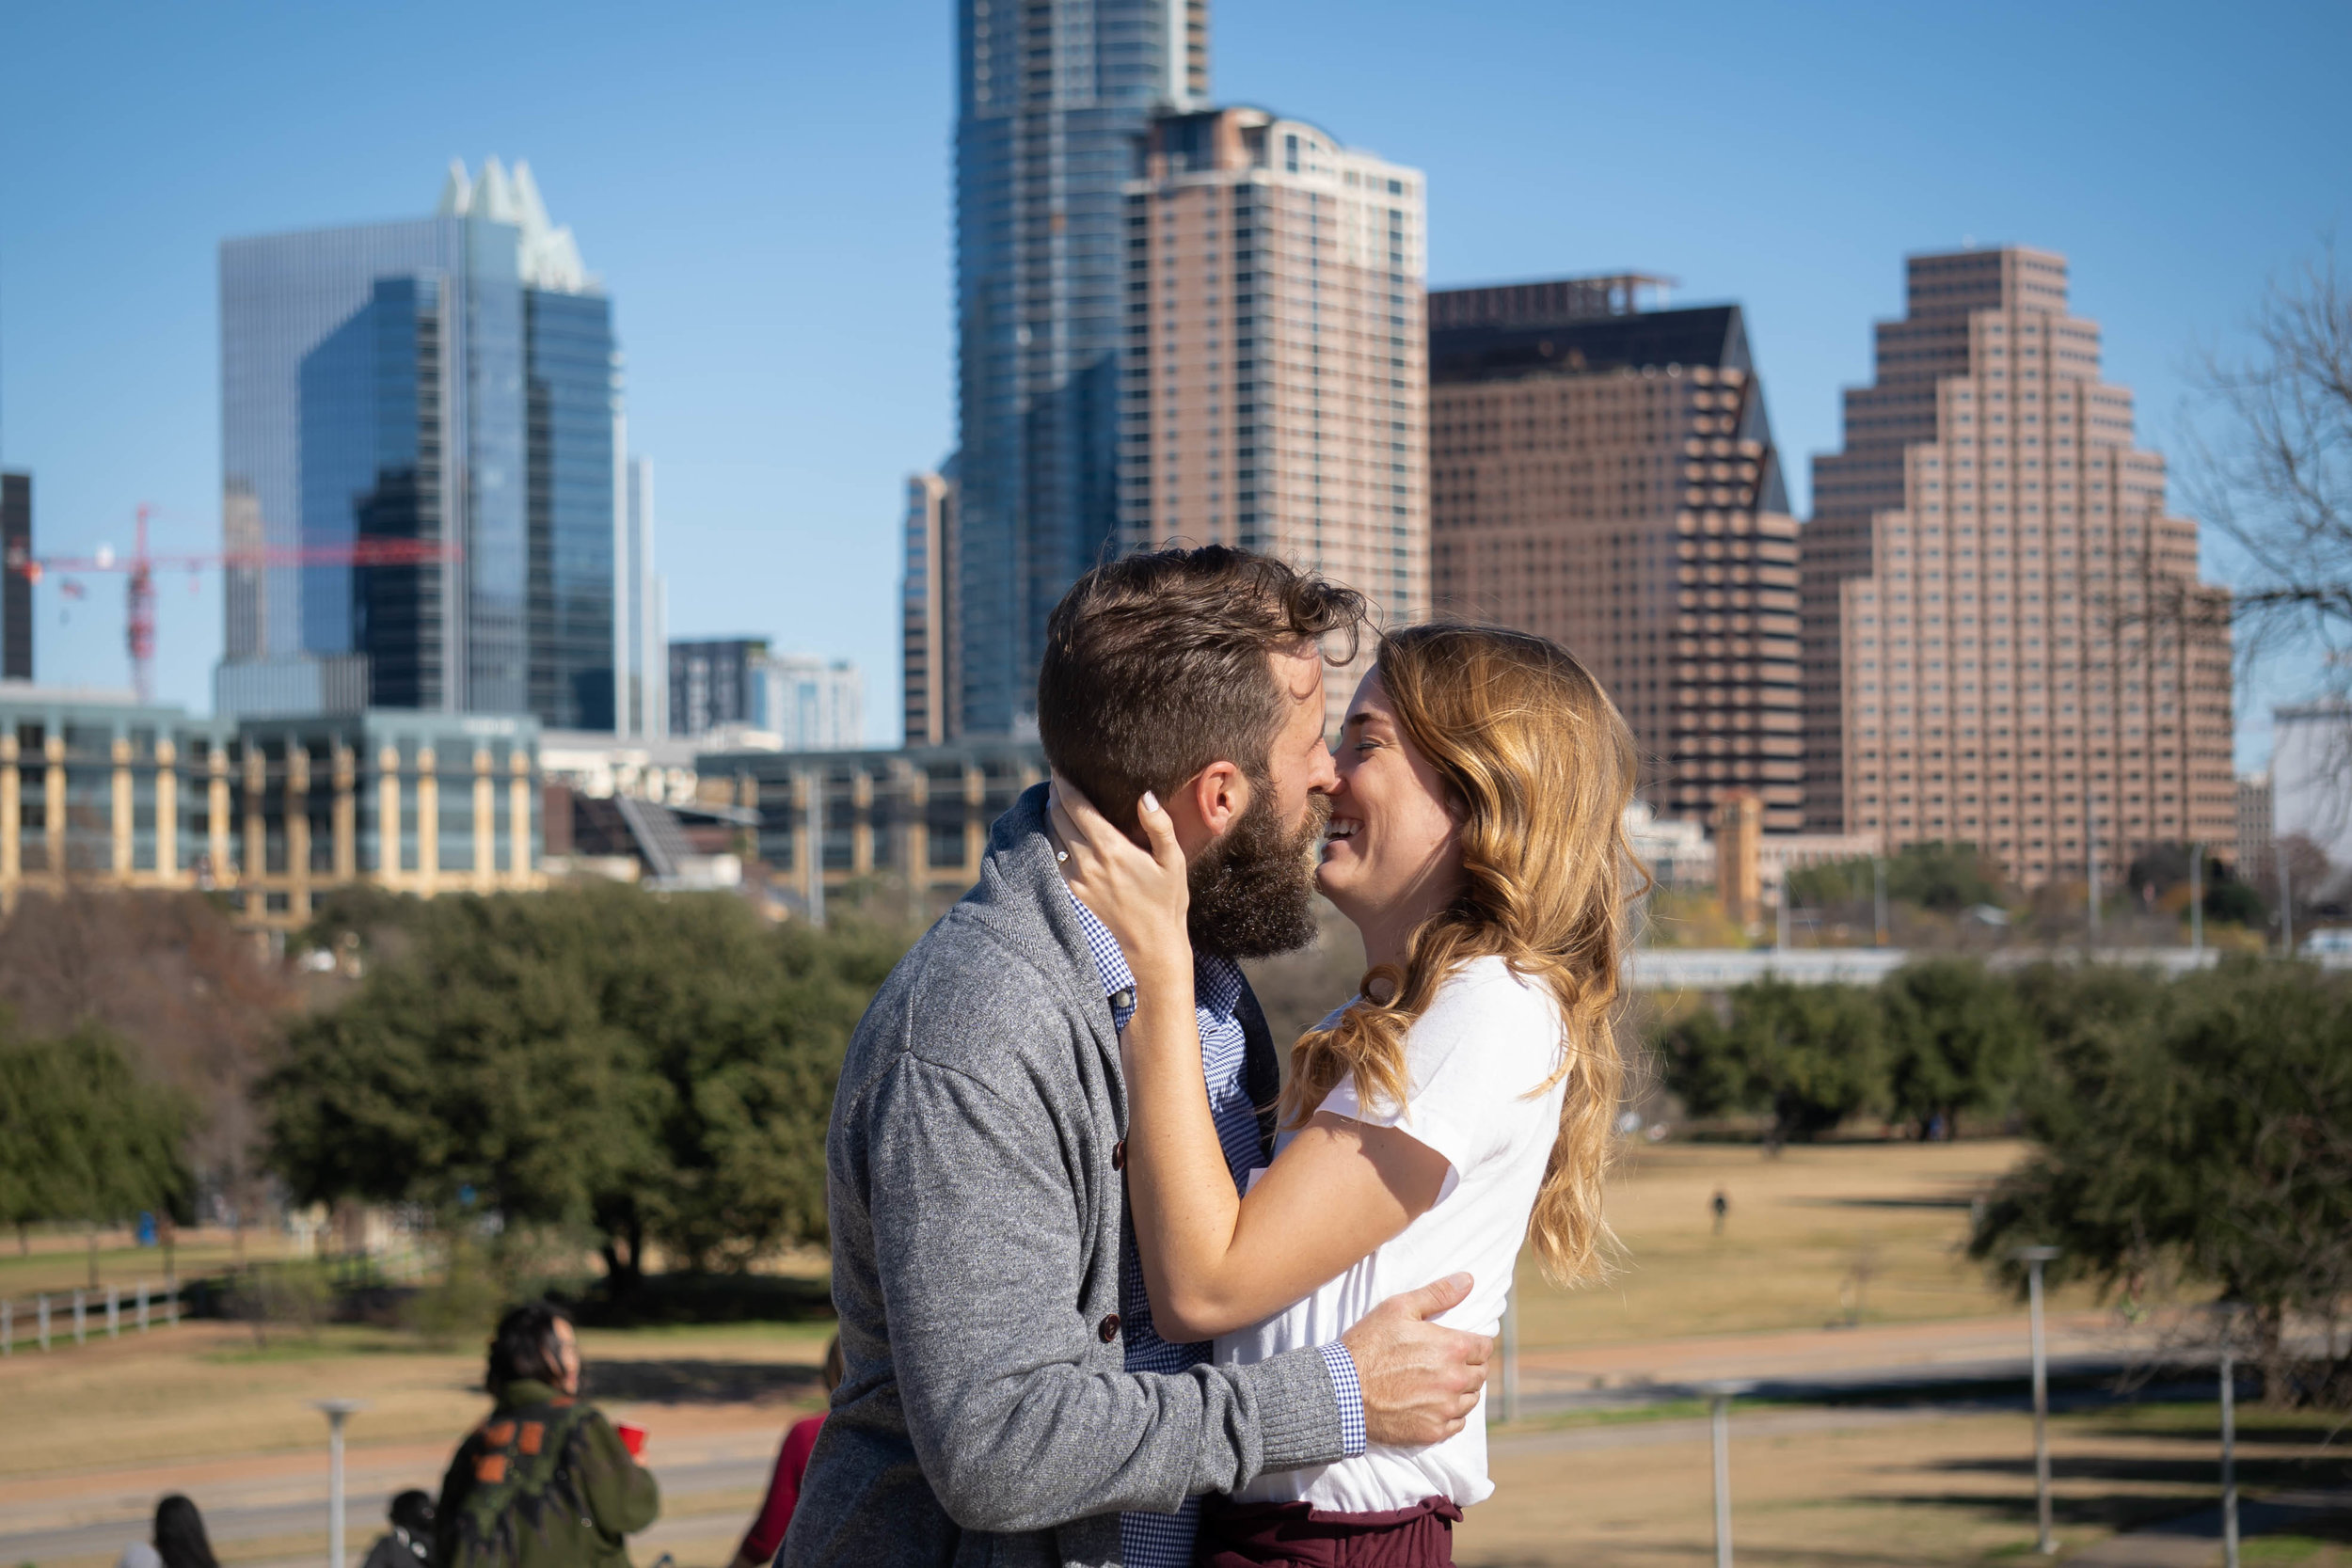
(1488, 1039)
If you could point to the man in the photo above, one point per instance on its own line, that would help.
(1006, 1402)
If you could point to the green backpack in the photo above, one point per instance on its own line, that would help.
(526, 1504)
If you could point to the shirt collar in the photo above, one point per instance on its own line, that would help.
(1216, 981)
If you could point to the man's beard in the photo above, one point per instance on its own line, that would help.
(1252, 889)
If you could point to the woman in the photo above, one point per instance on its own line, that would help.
(545, 1479)
(766, 1536)
(180, 1539)
(1459, 1106)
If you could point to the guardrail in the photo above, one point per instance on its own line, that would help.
(51, 1310)
(1721, 968)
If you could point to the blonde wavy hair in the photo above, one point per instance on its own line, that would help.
(1540, 765)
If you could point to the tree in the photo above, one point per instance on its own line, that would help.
(1947, 877)
(2277, 478)
(659, 1068)
(1812, 1055)
(1957, 1040)
(83, 1138)
(2202, 1128)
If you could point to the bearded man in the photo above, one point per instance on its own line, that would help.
(1005, 1399)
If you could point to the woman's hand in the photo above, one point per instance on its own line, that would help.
(1140, 894)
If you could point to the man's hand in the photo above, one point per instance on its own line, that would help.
(1419, 1381)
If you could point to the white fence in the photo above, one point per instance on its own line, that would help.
(53, 1316)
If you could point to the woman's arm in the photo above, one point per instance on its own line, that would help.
(1214, 1261)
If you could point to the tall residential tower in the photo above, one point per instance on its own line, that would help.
(2006, 643)
(450, 380)
(1052, 96)
(1275, 390)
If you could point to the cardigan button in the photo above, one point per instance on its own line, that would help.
(1108, 1330)
(1118, 1155)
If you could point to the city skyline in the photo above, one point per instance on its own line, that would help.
(1818, 223)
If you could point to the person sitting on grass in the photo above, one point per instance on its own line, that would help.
(544, 1479)
(180, 1539)
(784, 1487)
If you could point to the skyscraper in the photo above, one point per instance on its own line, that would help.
(1275, 390)
(1604, 474)
(1994, 650)
(640, 638)
(451, 380)
(926, 621)
(715, 681)
(16, 579)
(1051, 97)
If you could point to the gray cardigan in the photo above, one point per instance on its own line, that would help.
(986, 1417)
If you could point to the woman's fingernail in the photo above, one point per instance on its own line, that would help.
(1150, 802)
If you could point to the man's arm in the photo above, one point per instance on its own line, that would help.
(978, 1244)
(622, 1495)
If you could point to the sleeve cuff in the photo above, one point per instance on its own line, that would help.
(1350, 1395)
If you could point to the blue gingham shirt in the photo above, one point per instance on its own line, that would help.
(1165, 1539)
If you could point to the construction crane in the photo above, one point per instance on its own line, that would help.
(140, 627)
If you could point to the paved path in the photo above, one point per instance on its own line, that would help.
(2194, 1540)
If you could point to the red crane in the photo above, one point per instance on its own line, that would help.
(140, 621)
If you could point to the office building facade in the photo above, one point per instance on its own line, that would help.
(448, 383)
(927, 681)
(16, 576)
(2006, 643)
(641, 640)
(97, 790)
(1603, 472)
(715, 681)
(1275, 388)
(1051, 97)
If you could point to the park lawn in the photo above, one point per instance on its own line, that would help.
(58, 1261)
(1941, 1489)
(1813, 1234)
(206, 1388)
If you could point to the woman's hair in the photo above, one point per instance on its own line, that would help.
(180, 1539)
(1539, 767)
(526, 1346)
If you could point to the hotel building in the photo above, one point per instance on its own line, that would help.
(1603, 472)
(2006, 640)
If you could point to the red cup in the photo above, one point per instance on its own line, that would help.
(632, 1438)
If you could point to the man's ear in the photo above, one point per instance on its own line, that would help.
(1218, 794)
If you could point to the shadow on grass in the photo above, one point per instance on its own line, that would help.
(688, 1381)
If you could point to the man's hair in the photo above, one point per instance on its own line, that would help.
(1157, 665)
(525, 1345)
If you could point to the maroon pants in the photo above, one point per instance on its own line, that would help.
(1299, 1535)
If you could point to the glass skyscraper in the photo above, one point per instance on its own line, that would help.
(1053, 95)
(453, 380)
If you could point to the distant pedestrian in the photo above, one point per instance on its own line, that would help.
(179, 1539)
(544, 1482)
(1722, 1205)
(409, 1541)
(784, 1487)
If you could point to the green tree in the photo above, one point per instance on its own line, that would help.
(1957, 1041)
(659, 1068)
(1935, 876)
(2203, 1129)
(1812, 1055)
(84, 1138)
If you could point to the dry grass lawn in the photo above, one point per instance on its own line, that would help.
(1814, 1234)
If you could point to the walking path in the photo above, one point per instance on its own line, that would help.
(2194, 1540)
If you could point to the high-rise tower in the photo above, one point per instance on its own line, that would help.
(2006, 640)
(1275, 390)
(1603, 472)
(449, 379)
(1052, 96)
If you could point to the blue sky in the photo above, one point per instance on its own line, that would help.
(764, 190)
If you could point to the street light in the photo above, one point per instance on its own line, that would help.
(337, 1412)
(2033, 1258)
(1720, 1395)
(2229, 1313)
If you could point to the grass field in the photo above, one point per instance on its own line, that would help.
(1813, 1236)
(1816, 1234)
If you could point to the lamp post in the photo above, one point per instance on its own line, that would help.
(2229, 1436)
(335, 1412)
(1720, 1395)
(2197, 897)
(2034, 1257)
(1878, 880)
